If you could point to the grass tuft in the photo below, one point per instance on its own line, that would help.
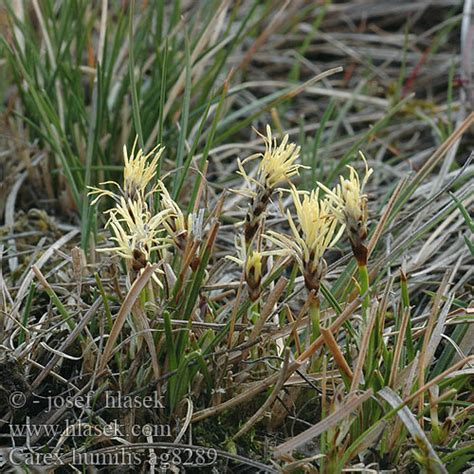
(229, 295)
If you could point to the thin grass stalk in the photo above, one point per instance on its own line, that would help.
(269, 401)
(54, 298)
(401, 339)
(352, 448)
(339, 358)
(405, 300)
(426, 339)
(315, 316)
(364, 292)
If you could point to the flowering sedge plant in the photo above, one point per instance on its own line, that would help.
(349, 205)
(313, 232)
(136, 230)
(277, 165)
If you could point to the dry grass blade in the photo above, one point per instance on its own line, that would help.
(124, 311)
(243, 397)
(358, 370)
(143, 327)
(440, 152)
(9, 216)
(75, 333)
(340, 320)
(370, 440)
(301, 463)
(398, 347)
(262, 385)
(404, 380)
(274, 24)
(267, 310)
(235, 310)
(339, 358)
(426, 338)
(385, 216)
(39, 264)
(269, 401)
(412, 426)
(438, 332)
(344, 411)
(440, 377)
(257, 310)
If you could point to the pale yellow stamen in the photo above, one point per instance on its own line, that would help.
(135, 228)
(347, 199)
(175, 223)
(139, 171)
(316, 232)
(277, 163)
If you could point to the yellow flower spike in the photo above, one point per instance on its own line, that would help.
(313, 233)
(349, 204)
(316, 222)
(136, 232)
(138, 172)
(278, 162)
(277, 165)
(252, 264)
(138, 219)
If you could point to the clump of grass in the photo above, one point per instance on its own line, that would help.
(241, 311)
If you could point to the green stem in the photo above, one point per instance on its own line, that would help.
(410, 349)
(150, 294)
(364, 290)
(255, 311)
(315, 316)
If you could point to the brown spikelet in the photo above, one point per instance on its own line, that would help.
(257, 208)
